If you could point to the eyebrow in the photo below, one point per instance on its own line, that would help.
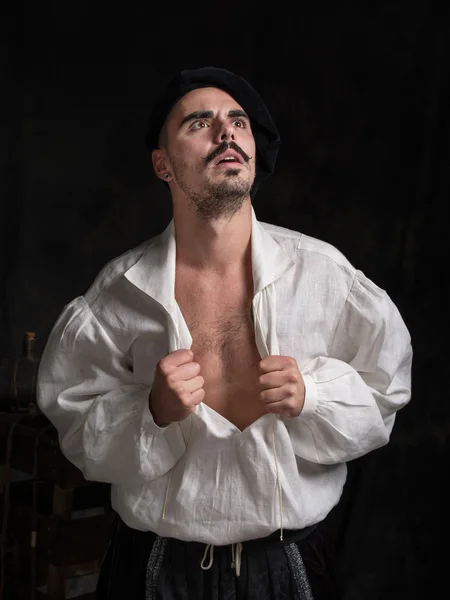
(208, 114)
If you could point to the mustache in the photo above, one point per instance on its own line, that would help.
(223, 147)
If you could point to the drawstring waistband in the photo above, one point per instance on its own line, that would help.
(209, 547)
(236, 551)
(291, 550)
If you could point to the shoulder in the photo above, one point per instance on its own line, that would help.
(305, 248)
(83, 317)
(114, 270)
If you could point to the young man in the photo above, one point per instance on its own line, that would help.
(221, 375)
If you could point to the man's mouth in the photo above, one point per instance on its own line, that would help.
(227, 160)
(229, 157)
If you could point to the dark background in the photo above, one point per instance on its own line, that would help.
(360, 93)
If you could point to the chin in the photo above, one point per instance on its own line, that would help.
(232, 186)
(233, 179)
(223, 197)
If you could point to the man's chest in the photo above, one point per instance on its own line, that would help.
(223, 343)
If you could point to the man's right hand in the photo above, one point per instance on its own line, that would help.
(177, 388)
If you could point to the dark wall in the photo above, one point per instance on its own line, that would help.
(361, 97)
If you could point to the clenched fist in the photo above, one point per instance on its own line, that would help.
(282, 385)
(177, 388)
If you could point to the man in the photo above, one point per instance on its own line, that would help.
(222, 374)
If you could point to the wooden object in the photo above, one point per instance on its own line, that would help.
(58, 523)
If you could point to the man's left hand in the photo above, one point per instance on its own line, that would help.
(282, 386)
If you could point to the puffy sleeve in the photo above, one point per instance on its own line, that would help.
(86, 389)
(353, 394)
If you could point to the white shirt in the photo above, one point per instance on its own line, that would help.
(203, 479)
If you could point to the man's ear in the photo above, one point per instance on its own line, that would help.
(161, 165)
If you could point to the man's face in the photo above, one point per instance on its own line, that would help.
(211, 151)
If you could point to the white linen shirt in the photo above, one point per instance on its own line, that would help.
(202, 479)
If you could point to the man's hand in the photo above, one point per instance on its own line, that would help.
(283, 389)
(177, 388)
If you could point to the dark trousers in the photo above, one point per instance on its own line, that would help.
(267, 571)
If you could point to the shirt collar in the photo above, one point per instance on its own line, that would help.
(154, 272)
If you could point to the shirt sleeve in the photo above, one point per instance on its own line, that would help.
(352, 396)
(86, 389)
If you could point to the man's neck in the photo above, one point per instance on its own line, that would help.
(220, 247)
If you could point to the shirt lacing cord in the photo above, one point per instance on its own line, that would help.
(236, 549)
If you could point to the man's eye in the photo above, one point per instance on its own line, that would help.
(199, 125)
(240, 123)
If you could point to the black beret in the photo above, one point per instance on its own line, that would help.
(266, 135)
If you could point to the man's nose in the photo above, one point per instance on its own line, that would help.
(227, 133)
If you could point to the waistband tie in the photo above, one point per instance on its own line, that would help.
(236, 551)
(209, 547)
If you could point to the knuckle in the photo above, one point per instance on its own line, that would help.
(162, 366)
(184, 399)
(171, 381)
(294, 377)
(178, 389)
